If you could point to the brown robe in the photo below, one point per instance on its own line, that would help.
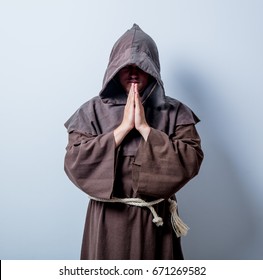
(156, 168)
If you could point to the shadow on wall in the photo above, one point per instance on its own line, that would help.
(214, 204)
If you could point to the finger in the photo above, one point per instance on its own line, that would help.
(131, 88)
(138, 102)
(130, 95)
(136, 88)
(136, 98)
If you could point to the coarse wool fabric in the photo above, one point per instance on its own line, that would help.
(156, 168)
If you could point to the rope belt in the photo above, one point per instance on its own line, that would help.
(179, 227)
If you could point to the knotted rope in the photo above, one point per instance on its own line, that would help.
(179, 227)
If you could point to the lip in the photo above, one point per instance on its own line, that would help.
(133, 81)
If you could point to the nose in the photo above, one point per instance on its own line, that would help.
(133, 71)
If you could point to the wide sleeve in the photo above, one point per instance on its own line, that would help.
(165, 164)
(90, 163)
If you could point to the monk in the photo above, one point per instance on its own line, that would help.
(131, 148)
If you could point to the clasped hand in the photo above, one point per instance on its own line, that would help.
(133, 117)
(134, 112)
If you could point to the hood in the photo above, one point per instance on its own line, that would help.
(133, 47)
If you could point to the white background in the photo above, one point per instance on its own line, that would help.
(53, 55)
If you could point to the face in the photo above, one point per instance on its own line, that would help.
(133, 74)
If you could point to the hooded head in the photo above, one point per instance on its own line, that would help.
(137, 49)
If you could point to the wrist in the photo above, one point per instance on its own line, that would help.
(120, 132)
(144, 131)
(125, 128)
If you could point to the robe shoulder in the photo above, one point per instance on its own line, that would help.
(184, 115)
(81, 118)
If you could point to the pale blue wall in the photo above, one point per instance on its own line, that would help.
(52, 59)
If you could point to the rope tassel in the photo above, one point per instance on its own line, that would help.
(180, 228)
